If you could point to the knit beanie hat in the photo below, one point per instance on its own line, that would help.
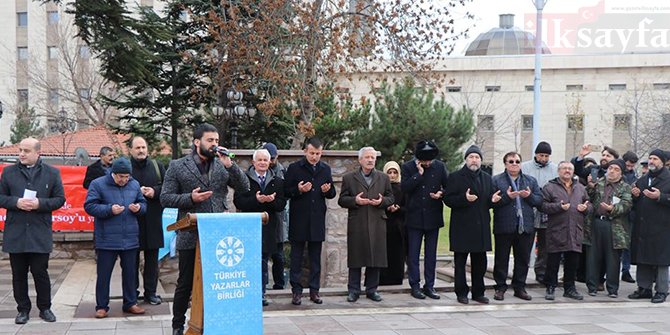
(543, 148)
(121, 165)
(473, 149)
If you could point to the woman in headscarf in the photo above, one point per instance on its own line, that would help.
(396, 242)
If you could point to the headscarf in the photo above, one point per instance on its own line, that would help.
(392, 165)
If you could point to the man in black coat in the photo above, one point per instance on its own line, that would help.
(308, 184)
(470, 194)
(30, 190)
(149, 173)
(423, 181)
(100, 167)
(650, 249)
(266, 194)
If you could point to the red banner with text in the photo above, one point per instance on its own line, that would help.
(72, 215)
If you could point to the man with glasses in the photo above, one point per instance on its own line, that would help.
(513, 220)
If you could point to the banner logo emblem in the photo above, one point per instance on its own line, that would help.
(229, 251)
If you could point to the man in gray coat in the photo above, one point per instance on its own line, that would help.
(30, 190)
(366, 193)
(197, 183)
(543, 170)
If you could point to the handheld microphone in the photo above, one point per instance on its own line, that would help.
(222, 151)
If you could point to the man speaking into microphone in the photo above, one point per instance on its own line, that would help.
(198, 183)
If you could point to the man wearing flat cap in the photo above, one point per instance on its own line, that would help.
(650, 249)
(470, 194)
(543, 170)
(423, 182)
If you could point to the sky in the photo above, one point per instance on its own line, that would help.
(487, 11)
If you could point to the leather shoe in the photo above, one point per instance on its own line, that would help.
(481, 299)
(625, 276)
(641, 293)
(659, 297)
(416, 293)
(178, 331)
(314, 296)
(431, 293)
(573, 294)
(135, 309)
(374, 296)
(22, 318)
(549, 295)
(499, 295)
(47, 315)
(352, 297)
(153, 300)
(296, 299)
(523, 295)
(462, 300)
(101, 313)
(277, 287)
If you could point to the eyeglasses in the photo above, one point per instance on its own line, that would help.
(513, 162)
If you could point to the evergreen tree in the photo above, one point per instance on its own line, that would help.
(25, 125)
(408, 114)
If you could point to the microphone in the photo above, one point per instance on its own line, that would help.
(223, 151)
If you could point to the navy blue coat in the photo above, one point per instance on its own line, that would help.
(505, 211)
(422, 211)
(115, 232)
(307, 211)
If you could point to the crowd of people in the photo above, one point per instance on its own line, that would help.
(594, 218)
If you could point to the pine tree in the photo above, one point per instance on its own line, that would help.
(25, 125)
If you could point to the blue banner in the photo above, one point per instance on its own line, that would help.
(230, 250)
(169, 237)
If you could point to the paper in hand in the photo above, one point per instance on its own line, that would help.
(29, 194)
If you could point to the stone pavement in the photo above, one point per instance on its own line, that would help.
(74, 301)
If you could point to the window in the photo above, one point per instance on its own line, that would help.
(526, 122)
(22, 96)
(52, 52)
(621, 122)
(53, 96)
(53, 17)
(22, 53)
(617, 87)
(576, 122)
(485, 122)
(85, 93)
(574, 87)
(22, 19)
(492, 88)
(453, 89)
(84, 52)
(662, 86)
(530, 88)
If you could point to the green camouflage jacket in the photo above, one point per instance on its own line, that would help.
(618, 215)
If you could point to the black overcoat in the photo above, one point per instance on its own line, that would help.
(422, 211)
(650, 242)
(151, 224)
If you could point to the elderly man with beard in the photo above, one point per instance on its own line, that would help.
(470, 194)
(566, 204)
(197, 183)
(423, 182)
(543, 170)
(650, 249)
(609, 228)
(513, 221)
(366, 193)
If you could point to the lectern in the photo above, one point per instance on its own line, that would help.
(195, 323)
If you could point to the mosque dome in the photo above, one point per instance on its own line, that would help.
(504, 40)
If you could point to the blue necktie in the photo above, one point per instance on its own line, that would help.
(262, 179)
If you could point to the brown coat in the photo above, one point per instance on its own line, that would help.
(366, 225)
(565, 229)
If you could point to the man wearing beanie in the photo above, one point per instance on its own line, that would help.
(543, 170)
(116, 201)
(423, 182)
(650, 249)
(607, 232)
(470, 194)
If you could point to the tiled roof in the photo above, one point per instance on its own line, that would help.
(91, 139)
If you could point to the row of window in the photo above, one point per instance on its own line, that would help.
(575, 122)
(531, 88)
(52, 52)
(53, 17)
(54, 96)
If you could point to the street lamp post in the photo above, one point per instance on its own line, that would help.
(537, 83)
(235, 109)
(63, 125)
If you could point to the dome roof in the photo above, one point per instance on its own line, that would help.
(504, 40)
